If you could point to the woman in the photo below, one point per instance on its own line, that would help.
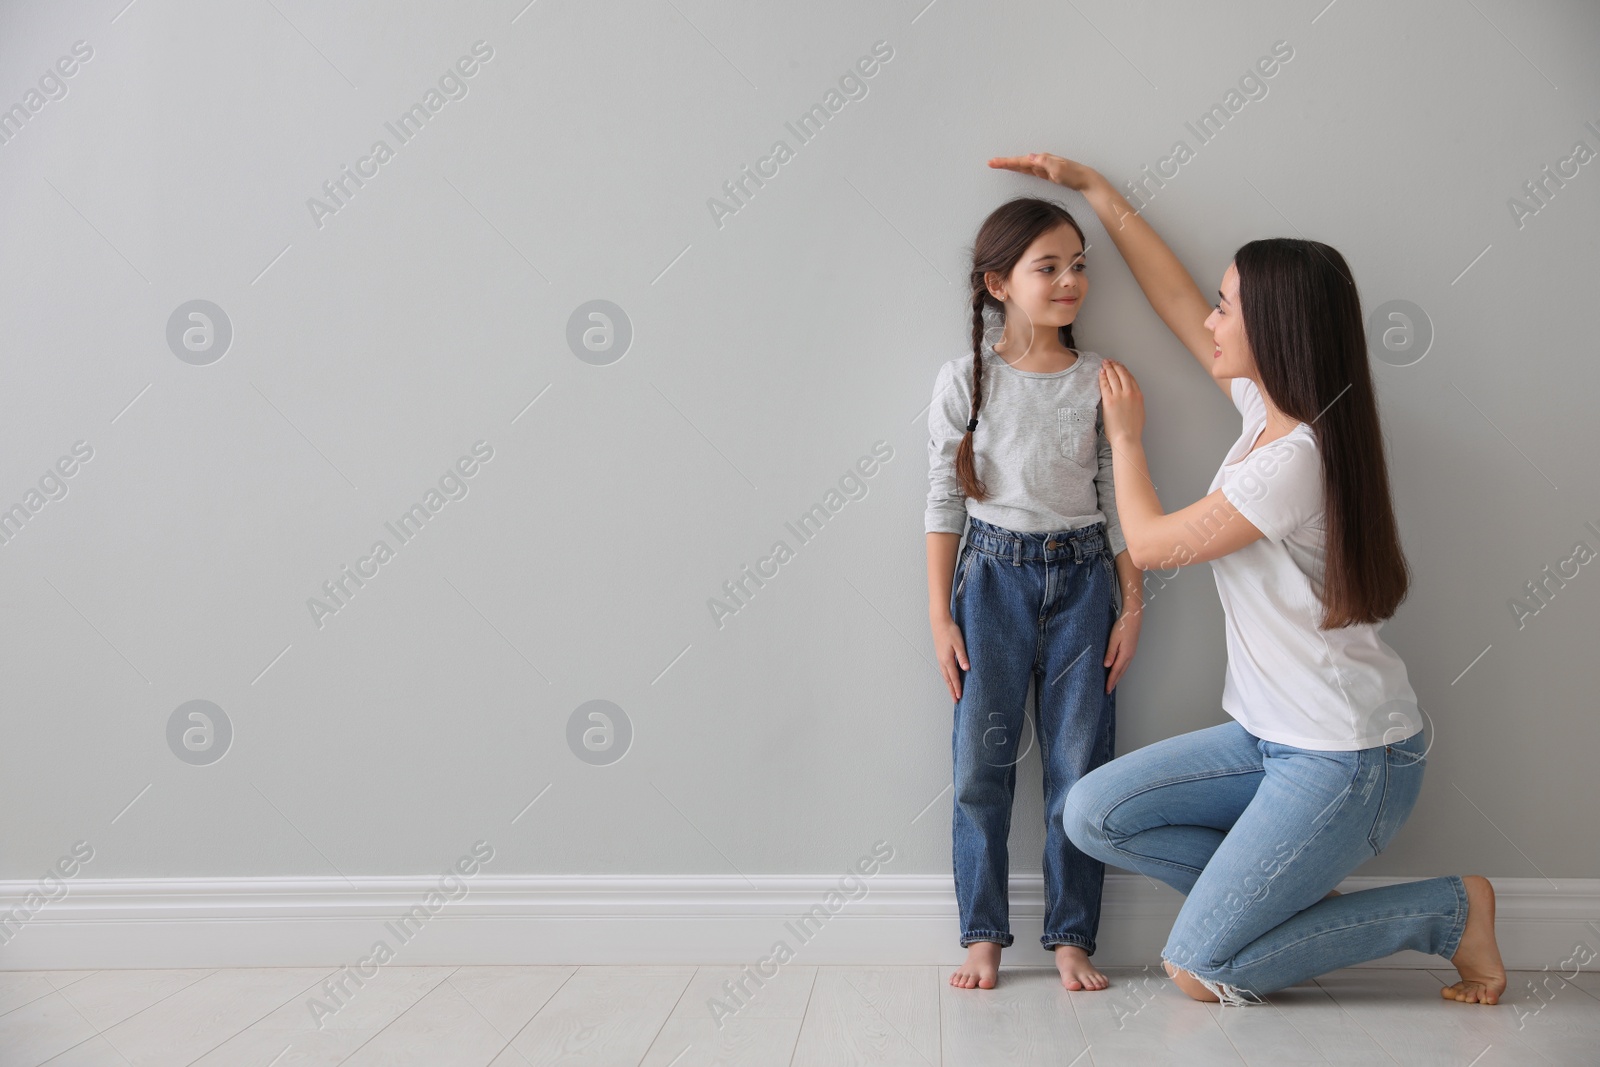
(1256, 820)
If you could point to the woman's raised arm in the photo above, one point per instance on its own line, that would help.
(1166, 283)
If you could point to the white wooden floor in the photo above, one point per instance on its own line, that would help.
(804, 1017)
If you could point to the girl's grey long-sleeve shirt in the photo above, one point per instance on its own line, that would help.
(1040, 449)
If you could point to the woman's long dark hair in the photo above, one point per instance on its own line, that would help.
(1302, 317)
(1002, 239)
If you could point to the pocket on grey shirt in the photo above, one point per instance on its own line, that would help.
(1076, 435)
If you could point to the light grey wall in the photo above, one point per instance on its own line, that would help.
(769, 353)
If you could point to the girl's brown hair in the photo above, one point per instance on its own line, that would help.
(1302, 317)
(1002, 239)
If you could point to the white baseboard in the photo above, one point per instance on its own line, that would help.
(901, 919)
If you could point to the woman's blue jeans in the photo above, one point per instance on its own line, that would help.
(1034, 606)
(1254, 834)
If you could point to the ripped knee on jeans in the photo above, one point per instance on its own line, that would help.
(1227, 994)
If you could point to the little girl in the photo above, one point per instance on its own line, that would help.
(1018, 459)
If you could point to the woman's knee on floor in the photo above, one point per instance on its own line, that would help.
(1196, 948)
(1199, 958)
(1211, 984)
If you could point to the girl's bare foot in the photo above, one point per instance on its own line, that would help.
(1077, 973)
(982, 967)
(1477, 958)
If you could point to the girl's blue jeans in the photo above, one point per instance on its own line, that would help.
(1034, 606)
(1254, 834)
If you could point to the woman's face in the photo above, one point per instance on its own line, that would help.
(1048, 284)
(1232, 357)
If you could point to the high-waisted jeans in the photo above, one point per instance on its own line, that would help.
(1254, 834)
(1039, 606)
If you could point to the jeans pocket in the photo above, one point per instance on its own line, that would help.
(1403, 764)
(1075, 433)
(962, 566)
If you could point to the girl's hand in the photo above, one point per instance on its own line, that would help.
(1120, 649)
(1121, 403)
(951, 648)
(1065, 172)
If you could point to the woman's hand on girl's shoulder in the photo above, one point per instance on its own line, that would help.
(1121, 403)
(1062, 171)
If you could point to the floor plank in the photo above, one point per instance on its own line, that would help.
(40, 1029)
(440, 1030)
(197, 1018)
(1555, 1018)
(257, 1047)
(23, 987)
(373, 1004)
(509, 996)
(872, 1015)
(783, 996)
(661, 1016)
(1142, 1018)
(746, 1040)
(106, 998)
(95, 1052)
(1404, 1013)
(1027, 1019)
(598, 1019)
(1302, 1024)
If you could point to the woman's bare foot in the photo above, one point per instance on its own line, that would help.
(1077, 973)
(982, 967)
(1477, 958)
(1188, 982)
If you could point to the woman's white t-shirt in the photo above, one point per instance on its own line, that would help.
(1289, 680)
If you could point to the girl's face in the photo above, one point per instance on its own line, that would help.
(1232, 357)
(1047, 285)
